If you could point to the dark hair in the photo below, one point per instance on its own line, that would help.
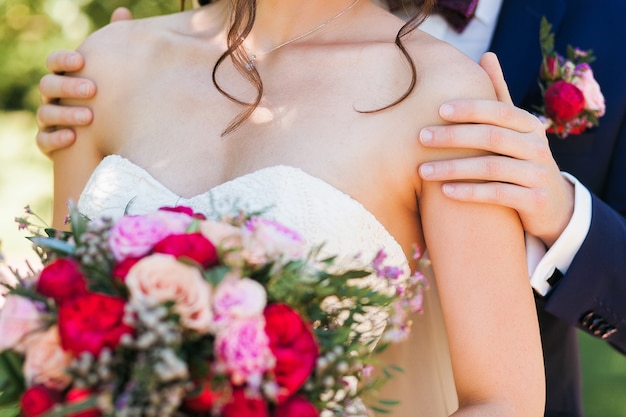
(244, 12)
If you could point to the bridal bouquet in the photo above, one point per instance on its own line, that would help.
(573, 101)
(171, 314)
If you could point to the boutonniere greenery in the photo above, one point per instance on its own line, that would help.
(572, 100)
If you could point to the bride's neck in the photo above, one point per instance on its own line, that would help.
(278, 21)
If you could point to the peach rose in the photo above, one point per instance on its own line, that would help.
(221, 234)
(19, 317)
(46, 361)
(161, 278)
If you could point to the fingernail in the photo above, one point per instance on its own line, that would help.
(426, 136)
(446, 110)
(82, 117)
(72, 60)
(448, 189)
(427, 171)
(84, 90)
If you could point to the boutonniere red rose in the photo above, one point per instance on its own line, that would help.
(572, 100)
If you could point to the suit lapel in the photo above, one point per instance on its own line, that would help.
(518, 50)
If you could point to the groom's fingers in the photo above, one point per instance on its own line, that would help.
(491, 112)
(121, 13)
(520, 143)
(491, 65)
(62, 61)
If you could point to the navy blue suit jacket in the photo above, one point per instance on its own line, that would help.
(592, 294)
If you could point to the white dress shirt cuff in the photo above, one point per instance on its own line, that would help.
(541, 263)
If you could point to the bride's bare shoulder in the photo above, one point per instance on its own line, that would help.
(445, 72)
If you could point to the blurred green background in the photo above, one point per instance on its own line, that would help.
(29, 30)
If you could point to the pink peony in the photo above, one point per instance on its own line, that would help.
(237, 297)
(46, 361)
(268, 240)
(243, 349)
(162, 278)
(134, 236)
(18, 318)
(594, 99)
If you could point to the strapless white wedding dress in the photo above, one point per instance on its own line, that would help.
(321, 214)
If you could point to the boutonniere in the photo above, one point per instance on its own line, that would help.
(572, 100)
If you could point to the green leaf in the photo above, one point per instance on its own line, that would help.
(546, 37)
(11, 380)
(10, 411)
(53, 244)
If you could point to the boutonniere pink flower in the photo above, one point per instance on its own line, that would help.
(572, 100)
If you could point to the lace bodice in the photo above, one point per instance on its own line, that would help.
(316, 209)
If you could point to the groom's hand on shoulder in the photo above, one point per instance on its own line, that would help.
(54, 120)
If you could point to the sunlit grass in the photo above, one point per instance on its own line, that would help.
(25, 179)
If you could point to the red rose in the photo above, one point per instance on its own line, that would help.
(550, 68)
(91, 322)
(120, 270)
(242, 406)
(564, 101)
(296, 406)
(190, 245)
(61, 279)
(76, 395)
(293, 346)
(185, 210)
(205, 399)
(36, 400)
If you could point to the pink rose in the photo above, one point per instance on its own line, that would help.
(61, 279)
(19, 317)
(243, 349)
(46, 361)
(269, 240)
(237, 297)
(594, 99)
(564, 101)
(162, 278)
(134, 236)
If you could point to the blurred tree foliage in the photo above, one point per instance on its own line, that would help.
(31, 29)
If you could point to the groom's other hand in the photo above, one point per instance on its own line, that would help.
(520, 173)
(56, 122)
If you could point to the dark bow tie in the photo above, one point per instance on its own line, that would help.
(457, 13)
